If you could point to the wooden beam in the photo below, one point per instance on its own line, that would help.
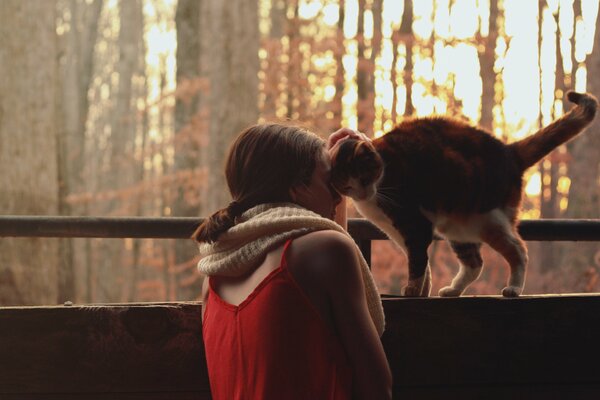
(99, 351)
(534, 347)
(183, 227)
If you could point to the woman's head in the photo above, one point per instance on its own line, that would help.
(269, 163)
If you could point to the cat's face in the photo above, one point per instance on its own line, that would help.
(356, 169)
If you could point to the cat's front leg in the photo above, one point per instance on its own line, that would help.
(419, 271)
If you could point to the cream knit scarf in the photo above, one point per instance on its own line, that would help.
(259, 230)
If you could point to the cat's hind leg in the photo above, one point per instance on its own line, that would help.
(502, 236)
(471, 264)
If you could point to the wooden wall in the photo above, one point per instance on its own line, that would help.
(466, 348)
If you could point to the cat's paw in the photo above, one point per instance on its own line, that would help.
(449, 291)
(511, 291)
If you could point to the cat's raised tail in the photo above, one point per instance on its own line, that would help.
(535, 147)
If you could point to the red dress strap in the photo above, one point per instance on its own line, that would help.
(283, 263)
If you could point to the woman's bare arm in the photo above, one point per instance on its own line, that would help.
(333, 258)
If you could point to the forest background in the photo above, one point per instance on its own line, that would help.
(126, 108)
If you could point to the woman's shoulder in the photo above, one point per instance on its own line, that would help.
(325, 253)
(328, 241)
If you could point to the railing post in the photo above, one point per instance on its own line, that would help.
(365, 248)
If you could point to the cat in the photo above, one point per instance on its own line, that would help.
(442, 175)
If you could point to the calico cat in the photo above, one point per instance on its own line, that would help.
(443, 175)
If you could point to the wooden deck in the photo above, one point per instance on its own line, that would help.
(542, 347)
(487, 347)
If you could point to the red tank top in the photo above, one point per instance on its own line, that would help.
(273, 345)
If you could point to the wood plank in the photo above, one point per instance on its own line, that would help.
(468, 345)
(129, 348)
(110, 396)
(537, 340)
(500, 392)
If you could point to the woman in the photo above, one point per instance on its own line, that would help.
(290, 310)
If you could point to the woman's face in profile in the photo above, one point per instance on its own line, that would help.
(318, 196)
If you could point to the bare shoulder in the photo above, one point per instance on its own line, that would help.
(312, 246)
(324, 254)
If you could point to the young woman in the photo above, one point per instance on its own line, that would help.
(290, 310)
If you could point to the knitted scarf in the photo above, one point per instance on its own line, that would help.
(263, 228)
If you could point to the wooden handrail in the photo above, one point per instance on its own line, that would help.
(182, 228)
(361, 230)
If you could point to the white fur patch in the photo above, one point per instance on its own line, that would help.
(466, 229)
(373, 213)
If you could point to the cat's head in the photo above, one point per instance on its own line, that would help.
(356, 169)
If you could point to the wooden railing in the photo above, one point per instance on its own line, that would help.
(361, 230)
(474, 347)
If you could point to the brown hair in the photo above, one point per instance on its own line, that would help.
(264, 162)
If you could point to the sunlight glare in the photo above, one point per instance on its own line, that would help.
(309, 9)
(534, 185)
(350, 19)
(423, 11)
(331, 14)
(464, 17)
(392, 15)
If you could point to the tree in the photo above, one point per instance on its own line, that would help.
(338, 52)
(365, 74)
(273, 75)
(230, 31)
(190, 126)
(28, 152)
(120, 173)
(584, 192)
(77, 69)
(487, 58)
(407, 36)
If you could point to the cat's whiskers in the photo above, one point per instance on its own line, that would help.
(385, 199)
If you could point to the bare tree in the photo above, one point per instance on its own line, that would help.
(28, 153)
(232, 43)
(120, 173)
(190, 126)
(487, 58)
(584, 171)
(77, 70)
(273, 76)
(407, 36)
(362, 70)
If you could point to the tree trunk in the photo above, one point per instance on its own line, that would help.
(28, 146)
(394, 76)
(76, 78)
(273, 71)
(339, 52)
(487, 58)
(294, 66)
(361, 68)
(232, 43)
(584, 192)
(369, 111)
(121, 173)
(190, 124)
(408, 39)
